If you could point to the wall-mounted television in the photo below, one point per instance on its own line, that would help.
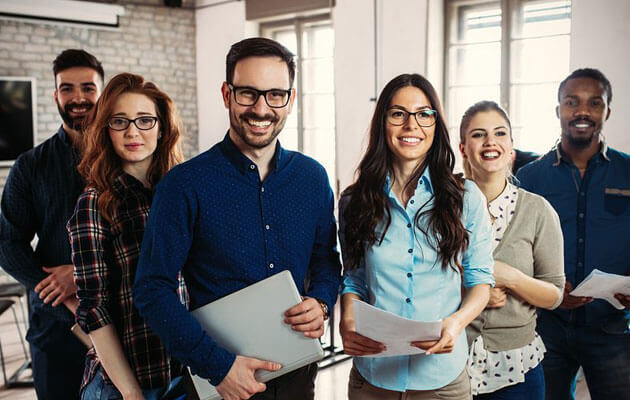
(18, 117)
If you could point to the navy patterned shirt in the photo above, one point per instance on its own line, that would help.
(39, 198)
(594, 211)
(215, 220)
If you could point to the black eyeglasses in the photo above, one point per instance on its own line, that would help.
(248, 96)
(143, 123)
(425, 118)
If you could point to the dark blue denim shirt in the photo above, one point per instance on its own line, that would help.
(595, 216)
(38, 198)
(215, 220)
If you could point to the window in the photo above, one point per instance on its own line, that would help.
(311, 126)
(514, 52)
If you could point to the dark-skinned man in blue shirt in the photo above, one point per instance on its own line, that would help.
(240, 212)
(587, 183)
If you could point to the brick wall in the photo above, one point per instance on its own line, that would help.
(154, 41)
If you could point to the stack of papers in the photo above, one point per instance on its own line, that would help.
(395, 332)
(602, 285)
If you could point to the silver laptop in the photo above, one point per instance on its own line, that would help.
(250, 322)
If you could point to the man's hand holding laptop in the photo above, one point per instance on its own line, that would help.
(240, 383)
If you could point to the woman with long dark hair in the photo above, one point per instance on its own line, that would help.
(412, 233)
(131, 141)
(506, 351)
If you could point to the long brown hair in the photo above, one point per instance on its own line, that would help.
(100, 165)
(368, 204)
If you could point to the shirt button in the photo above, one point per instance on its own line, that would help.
(411, 201)
(582, 193)
(581, 215)
(267, 227)
(408, 274)
(262, 190)
(408, 300)
(410, 251)
(252, 167)
(580, 240)
(408, 225)
(580, 264)
(271, 265)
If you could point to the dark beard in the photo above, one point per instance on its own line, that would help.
(581, 143)
(75, 123)
(237, 122)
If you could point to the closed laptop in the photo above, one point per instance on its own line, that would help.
(250, 322)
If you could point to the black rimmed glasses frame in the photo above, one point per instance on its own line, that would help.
(398, 117)
(247, 96)
(121, 123)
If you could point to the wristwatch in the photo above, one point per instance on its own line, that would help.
(324, 307)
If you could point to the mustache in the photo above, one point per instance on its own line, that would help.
(256, 117)
(582, 119)
(86, 104)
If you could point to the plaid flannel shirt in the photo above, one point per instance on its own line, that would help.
(105, 257)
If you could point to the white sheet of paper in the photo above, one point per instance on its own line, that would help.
(395, 332)
(602, 285)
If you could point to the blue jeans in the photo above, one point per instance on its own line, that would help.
(605, 358)
(533, 388)
(97, 389)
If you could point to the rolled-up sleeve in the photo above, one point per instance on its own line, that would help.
(88, 234)
(477, 260)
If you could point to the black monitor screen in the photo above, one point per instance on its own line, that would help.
(17, 125)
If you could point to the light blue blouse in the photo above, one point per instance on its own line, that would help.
(404, 276)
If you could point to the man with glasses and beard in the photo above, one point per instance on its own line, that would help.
(242, 211)
(588, 184)
(38, 199)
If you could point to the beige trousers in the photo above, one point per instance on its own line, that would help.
(360, 389)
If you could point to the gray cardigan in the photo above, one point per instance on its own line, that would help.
(533, 244)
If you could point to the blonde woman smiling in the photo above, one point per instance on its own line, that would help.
(506, 351)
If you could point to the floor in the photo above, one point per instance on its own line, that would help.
(331, 382)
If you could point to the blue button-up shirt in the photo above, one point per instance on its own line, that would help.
(214, 219)
(595, 215)
(403, 275)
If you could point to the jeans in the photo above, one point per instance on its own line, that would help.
(58, 357)
(533, 388)
(605, 358)
(97, 389)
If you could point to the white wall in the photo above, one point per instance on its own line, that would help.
(354, 82)
(600, 38)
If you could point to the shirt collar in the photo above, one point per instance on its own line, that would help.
(497, 206)
(425, 179)
(560, 155)
(128, 182)
(243, 163)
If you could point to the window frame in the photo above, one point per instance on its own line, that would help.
(266, 29)
(509, 15)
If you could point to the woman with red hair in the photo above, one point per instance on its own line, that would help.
(131, 142)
